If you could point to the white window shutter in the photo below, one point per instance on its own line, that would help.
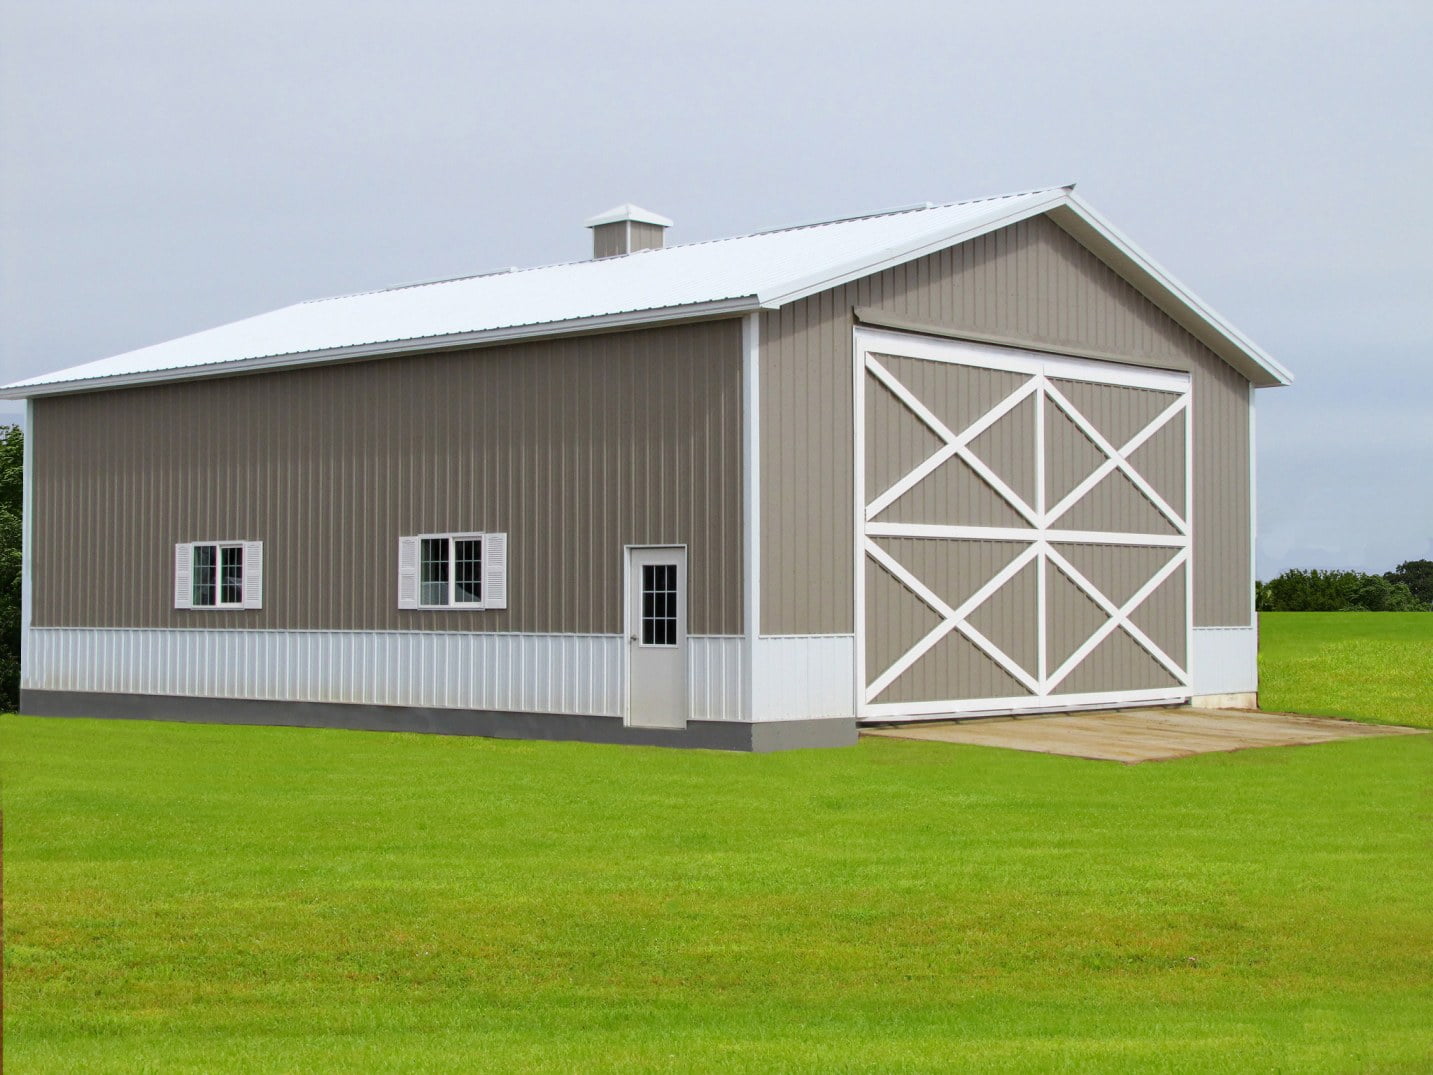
(253, 574)
(407, 572)
(184, 575)
(495, 571)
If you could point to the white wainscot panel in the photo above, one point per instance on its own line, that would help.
(578, 674)
(796, 677)
(714, 677)
(1224, 660)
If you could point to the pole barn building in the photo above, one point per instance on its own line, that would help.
(949, 460)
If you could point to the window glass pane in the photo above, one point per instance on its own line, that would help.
(468, 570)
(231, 575)
(433, 572)
(659, 604)
(649, 629)
(205, 579)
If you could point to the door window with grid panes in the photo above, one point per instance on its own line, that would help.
(659, 604)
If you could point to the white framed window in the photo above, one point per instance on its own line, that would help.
(219, 575)
(453, 571)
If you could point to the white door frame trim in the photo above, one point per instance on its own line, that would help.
(627, 551)
(1011, 359)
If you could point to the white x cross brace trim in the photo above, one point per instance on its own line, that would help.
(1041, 536)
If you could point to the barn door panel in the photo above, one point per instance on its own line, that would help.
(1023, 529)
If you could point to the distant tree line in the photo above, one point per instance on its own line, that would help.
(1409, 588)
(12, 505)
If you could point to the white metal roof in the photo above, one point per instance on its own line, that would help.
(763, 270)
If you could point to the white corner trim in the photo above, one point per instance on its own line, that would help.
(27, 540)
(751, 499)
(1253, 515)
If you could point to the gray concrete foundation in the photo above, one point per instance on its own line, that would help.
(699, 734)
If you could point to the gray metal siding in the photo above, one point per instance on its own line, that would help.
(574, 447)
(609, 240)
(1118, 571)
(647, 236)
(1030, 282)
(623, 237)
(955, 667)
(897, 441)
(1221, 527)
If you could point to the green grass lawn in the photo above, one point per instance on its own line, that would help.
(193, 898)
(1373, 666)
(198, 898)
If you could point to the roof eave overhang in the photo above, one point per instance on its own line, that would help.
(1187, 310)
(1061, 205)
(702, 311)
(1101, 238)
(998, 217)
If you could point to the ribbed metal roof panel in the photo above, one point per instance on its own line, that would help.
(762, 267)
(723, 276)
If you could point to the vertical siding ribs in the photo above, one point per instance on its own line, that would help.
(574, 447)
(1029, 281)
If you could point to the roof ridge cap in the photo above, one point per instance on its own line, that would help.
(917, 207)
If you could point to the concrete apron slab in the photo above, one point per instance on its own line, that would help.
(1136, 735)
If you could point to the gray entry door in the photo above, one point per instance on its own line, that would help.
(657, 637)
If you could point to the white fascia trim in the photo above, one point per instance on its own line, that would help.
(1135, 262)
(1120, 253)
(629, 212)
(356, 352)
(793, 290)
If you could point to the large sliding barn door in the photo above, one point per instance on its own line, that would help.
(1022, 529)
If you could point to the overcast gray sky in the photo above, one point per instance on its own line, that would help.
(169, 166)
